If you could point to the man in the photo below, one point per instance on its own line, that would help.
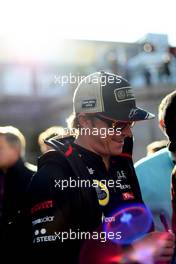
(169, 124)
(154, 173)
(14, 179)
(70, 195)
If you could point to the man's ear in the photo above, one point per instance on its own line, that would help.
(161, 124)
(162, 127)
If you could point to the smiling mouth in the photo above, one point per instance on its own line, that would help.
(119, 142)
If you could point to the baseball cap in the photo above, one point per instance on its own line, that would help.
(108, 94)
(169, 119)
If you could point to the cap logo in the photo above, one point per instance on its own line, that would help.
(123, 94)
(147, 116)
(132, 113)
(91, 103)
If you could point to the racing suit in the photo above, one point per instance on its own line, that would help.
(61, 207)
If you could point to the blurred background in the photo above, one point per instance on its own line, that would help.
(46, 46)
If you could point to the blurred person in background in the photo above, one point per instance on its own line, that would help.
(169, 124)
(154, 171)
(50, 132)
(55, 212)
(156, 146)
(14, 179)
(147, 76)
(164, 71)
(173, 200)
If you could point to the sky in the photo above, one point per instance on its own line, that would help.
(30, 24)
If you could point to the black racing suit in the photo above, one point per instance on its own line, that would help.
(57, 209)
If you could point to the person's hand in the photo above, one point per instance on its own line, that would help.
(156, 247)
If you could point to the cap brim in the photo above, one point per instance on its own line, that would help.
(139, 114)
(136, 114)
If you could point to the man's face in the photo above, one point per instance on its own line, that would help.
(107, 142)
(8, 154)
